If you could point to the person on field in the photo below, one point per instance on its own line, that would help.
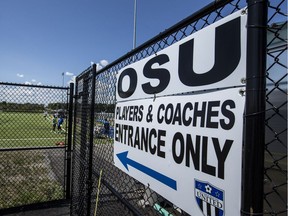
(60, 122)
(54, 122)
(106, 128)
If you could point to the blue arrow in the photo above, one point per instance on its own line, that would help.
(154, 174)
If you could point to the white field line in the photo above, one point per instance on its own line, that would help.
(28, 139)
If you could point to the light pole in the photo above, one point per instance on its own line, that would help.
(62, 90)
(63, 79)
(134, 29)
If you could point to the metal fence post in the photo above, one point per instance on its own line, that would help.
(254, 120)
(91, 142)
(69, 144)
(83, 100)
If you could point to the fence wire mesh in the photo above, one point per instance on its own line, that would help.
(81, 188)
(32, 150)
(275, 176)
(111, 191)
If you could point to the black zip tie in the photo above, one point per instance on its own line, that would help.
(254, 77)
(257, 26)
(249, 213)
(257, 113)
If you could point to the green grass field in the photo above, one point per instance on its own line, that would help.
(28, 176)
(27, 130)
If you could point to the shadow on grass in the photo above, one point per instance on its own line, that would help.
(26, 177)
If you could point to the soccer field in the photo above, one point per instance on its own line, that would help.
(27, 130)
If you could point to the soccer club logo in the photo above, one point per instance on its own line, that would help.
(209, 199)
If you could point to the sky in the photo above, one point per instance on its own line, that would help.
(42, 39)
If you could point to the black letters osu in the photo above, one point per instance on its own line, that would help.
(227, 56)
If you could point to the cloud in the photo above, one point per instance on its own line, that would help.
(20, 75)
(39, 83)
(98, 67)
(33, 80)
(68, 74)
(28, 83)
(104, 62)
(72, 80)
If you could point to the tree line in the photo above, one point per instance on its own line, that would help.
(25, 107)
(34, 107)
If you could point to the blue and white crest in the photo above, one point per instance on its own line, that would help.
(209, 199)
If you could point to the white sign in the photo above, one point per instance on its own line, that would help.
(80, 86)
(214, 57)
(187, 148)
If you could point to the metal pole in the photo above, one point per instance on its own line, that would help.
(91, 140)
(69, 144)
(62, 107)
(134, 29)
(254, 120)
(63, 79)
(82, 103)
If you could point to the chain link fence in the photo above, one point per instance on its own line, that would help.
(275, 173)
(32, 144)
(99, 188)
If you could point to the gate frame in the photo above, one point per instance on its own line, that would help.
(67, 159)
